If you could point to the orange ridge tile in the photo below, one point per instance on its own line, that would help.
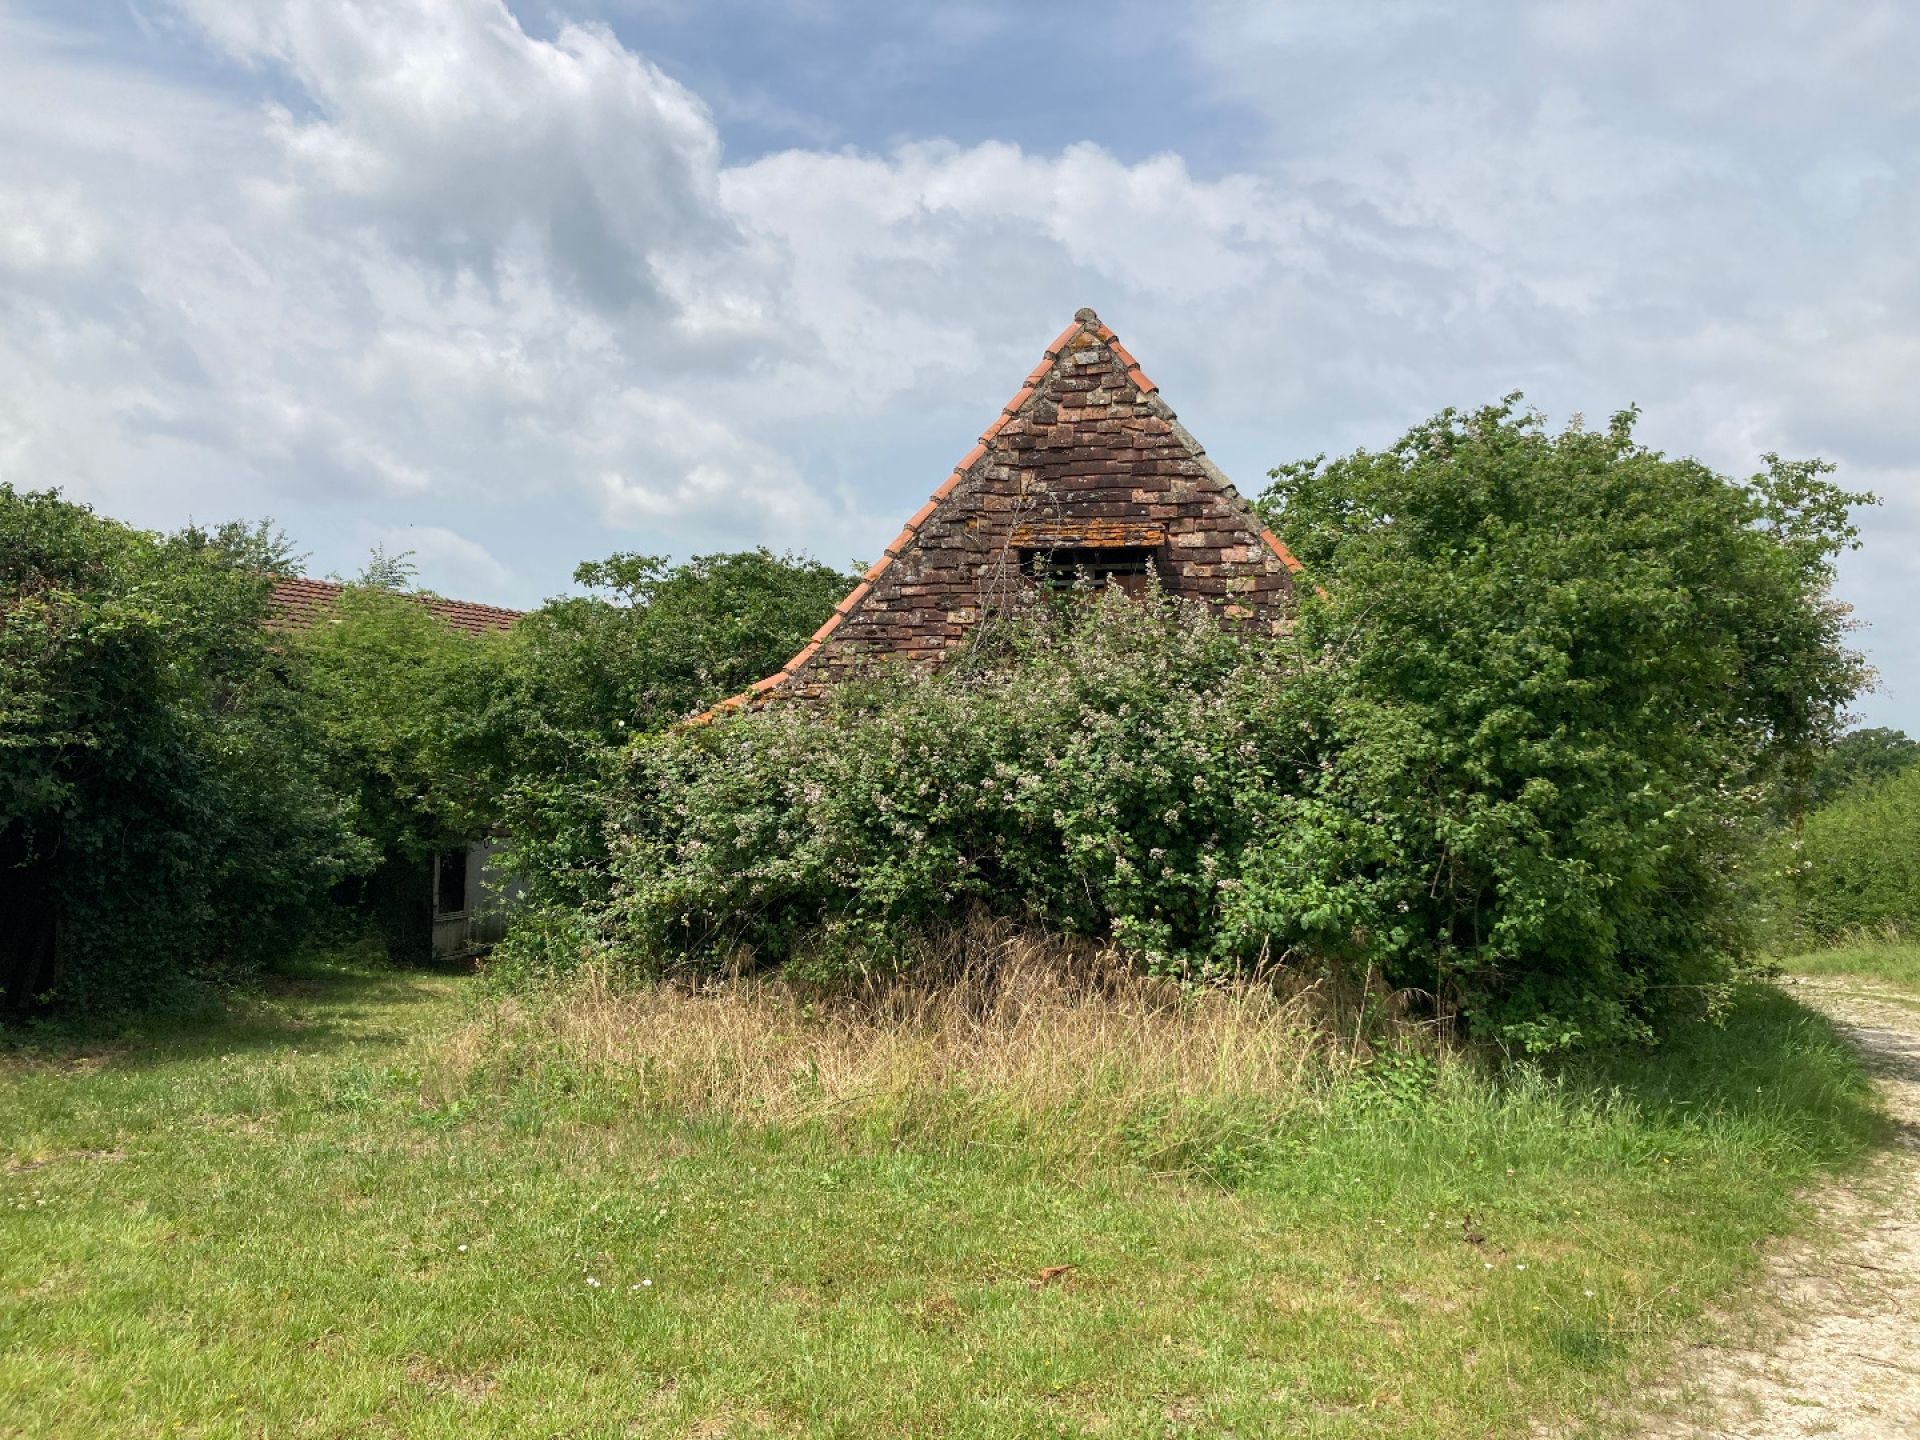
(1060, 340)
(854, 597)
(1279, 547)
(874, 570)
(1020, 397)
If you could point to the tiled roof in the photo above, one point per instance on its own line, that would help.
(1085, 323)
(298, 603)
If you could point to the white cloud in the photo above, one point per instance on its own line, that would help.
(387, 257)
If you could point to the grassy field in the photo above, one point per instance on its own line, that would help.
(379, 1204)
(1894, 961)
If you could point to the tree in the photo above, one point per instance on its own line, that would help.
(1860, 757)
(1563, 671)
(385, 570)
(652, 642)
(162, 817)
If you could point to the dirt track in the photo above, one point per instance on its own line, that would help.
(1846, 1364)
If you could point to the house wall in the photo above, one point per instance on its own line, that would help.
(480, 922)
(1086, 446)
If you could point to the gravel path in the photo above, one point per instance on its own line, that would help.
(1847, 1363)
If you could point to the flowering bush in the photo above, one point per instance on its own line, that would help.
(1517, 755)
(1101, 772)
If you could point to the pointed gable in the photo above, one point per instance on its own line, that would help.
(1085, 465)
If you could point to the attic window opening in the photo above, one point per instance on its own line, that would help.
(1064, 568)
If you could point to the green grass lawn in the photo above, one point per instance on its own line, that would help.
(1896, 962)
(289, 1222)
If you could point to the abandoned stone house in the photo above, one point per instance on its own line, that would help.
(1085, 475)
(453, 904)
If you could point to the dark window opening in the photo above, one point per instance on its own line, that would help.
(450, 883)
(1127, 566)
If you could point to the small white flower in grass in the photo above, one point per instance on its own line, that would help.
(1487, 1265)
(463, 1249)
(1521, 1266)
(1587, 1293)
(646, 1282)
(595, 1284)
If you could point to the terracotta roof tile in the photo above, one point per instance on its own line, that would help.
(1087, 329)
(1279, 547)
(854, 596)
(298, 603)
(986, 435)
(1064, 338)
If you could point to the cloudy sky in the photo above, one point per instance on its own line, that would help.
(516, 283)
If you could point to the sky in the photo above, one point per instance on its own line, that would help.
(513, 284)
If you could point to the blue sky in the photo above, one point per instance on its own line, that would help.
(516, 287)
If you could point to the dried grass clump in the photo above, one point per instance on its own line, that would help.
(993, 1034)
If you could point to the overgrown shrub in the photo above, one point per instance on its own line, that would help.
(1570, 672)
(1860, 757)
(400, 701)
(1855, 864)
(1100, 776)
(649, 643)
(1515, 755)
(163, 819)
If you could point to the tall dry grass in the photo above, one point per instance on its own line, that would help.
(994, 1034)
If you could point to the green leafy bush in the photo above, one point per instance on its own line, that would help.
(649, 643)
(1514, 756)
(439, 735)
(1855, 864)
(162, 817)
(1101, 777)
(400, 701)
(1860, 757)
(1570, 671)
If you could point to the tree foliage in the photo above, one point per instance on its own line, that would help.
(1514, 754)
(1854, 863)
(185, 777)
(1860, 757)
(159, 800)
(648, 644)
(399, 700)
(1571, 669)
